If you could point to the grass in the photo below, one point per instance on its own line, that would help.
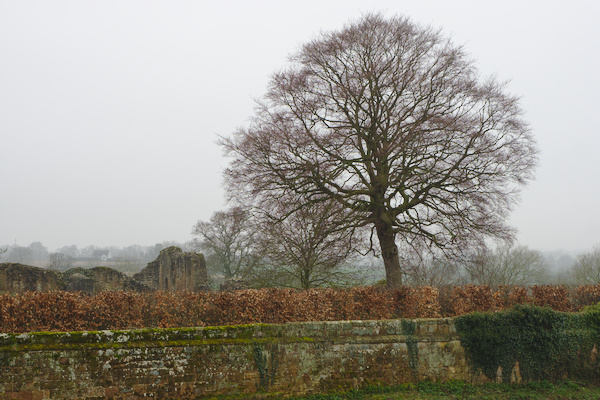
(461, 390)
(456, 390)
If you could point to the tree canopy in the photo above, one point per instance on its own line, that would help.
(390, 120)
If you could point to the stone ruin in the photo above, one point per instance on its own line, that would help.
(176, 271)
(173, 270)
(99, 279)
(17, 278)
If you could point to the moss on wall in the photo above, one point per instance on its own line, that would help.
(184, 363)
(409, 328)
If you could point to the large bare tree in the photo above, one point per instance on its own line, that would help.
(392, 121)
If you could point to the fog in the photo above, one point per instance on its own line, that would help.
(110, 111)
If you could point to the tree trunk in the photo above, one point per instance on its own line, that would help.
(389, 253)
(304, 279)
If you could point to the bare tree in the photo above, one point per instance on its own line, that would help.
(60, 262)
(305, 248)
(423, 267)
(507, 265)
(228, 237)
(587, 268)
(128, 265)
(71, 251)
(39, 254)
(129, 260)
(20, 254)
(390, 120)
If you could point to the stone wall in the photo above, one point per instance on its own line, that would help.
(98, 279)
(175, 270)
(293, 358)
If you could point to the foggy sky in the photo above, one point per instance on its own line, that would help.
(110, 110)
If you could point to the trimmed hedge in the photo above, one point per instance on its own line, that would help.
(74, 311)
(68, 311)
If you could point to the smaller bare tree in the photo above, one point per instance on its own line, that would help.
(20, 254)
(128, 265)
(60, 262)
(587, 269)
(423, 266)
(39, 254)
(228, 239)
(304, 245)
(507, 265)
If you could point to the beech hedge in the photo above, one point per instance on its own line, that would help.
(74, 311)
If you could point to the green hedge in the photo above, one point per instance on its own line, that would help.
(548, 345)
(591, 317)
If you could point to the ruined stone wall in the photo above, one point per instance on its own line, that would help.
(175, 270)
(191, 363)
(98, 279)
(18, 278)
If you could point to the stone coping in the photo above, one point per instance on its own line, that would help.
(374, 331)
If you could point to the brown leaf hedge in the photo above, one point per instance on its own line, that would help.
(74, 311)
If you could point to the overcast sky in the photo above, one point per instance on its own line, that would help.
(109, 110)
